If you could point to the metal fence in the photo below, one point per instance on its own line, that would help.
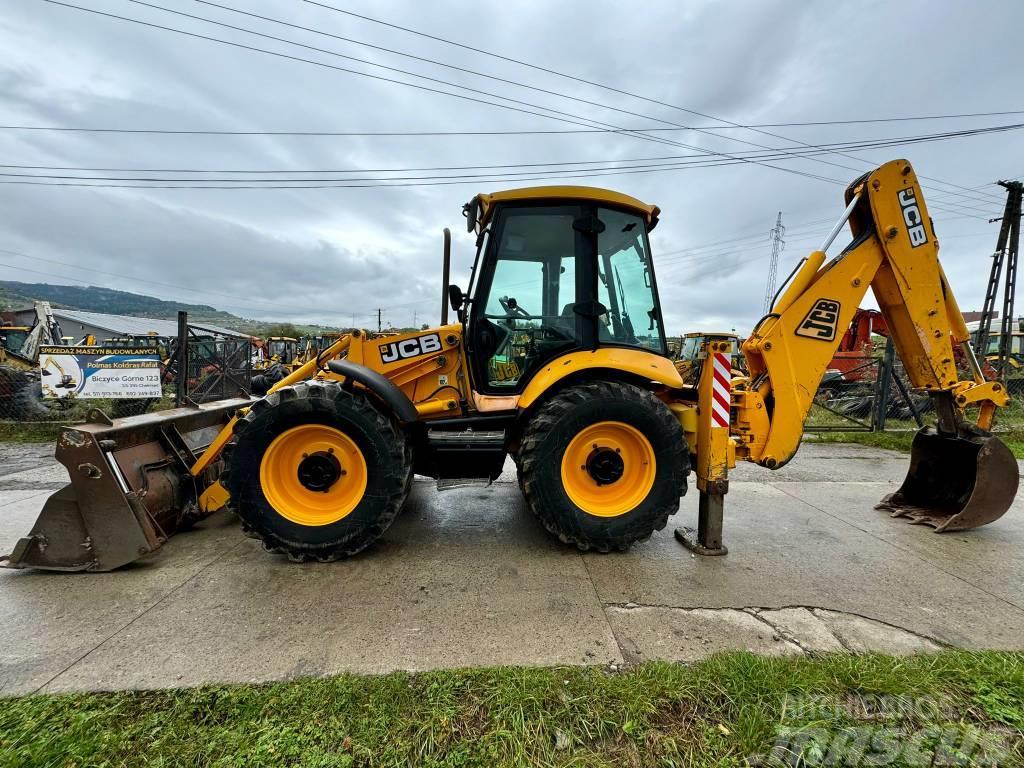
(860, 393)
(867, 393)
(216, 368)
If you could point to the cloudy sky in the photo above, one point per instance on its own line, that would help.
(333, 254)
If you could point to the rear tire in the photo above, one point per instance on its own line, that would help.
(346, 504)
(654, 457)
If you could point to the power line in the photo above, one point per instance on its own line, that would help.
(703, 158)
(517, 176)
(573, 119)
(310, 61)
(456, 85)
(493, 77)
(724, 251)
(203, 132)
(466, 70)
(524, 132)
(566, 117)
(578, 79)
(274, 184)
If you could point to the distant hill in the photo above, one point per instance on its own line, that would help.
(11, 298)
(16, 295)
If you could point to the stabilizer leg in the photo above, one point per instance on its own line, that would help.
(707, 539)
(715, 452)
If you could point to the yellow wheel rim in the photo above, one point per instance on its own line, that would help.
(608, 468)
(313, 475)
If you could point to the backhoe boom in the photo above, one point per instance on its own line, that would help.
(960, 476)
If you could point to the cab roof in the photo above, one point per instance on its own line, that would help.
(565, 194)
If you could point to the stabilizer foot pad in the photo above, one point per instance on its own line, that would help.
(688, 538)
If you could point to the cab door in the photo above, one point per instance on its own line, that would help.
(532, 282)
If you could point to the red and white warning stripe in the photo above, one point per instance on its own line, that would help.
(720, 390)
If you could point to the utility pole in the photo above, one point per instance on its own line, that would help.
(379, 310)
(414, 319)
(1007, 248)
(778, 246)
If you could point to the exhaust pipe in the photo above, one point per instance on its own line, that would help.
(130, 491)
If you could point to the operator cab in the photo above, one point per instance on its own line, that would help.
(558, 269)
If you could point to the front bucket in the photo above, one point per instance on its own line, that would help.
(955, 482)
(130, 489)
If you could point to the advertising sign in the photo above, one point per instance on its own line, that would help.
(99, 372)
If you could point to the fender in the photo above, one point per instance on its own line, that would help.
(646, 365)
(381, 386)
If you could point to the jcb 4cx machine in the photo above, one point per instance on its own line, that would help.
(557, 359)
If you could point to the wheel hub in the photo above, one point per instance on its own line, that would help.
(608, 468)
(319, 471)
(605, 465)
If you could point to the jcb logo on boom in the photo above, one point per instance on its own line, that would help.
(912, 217)
(821, 322)
(414, 347)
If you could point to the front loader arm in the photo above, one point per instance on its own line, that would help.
(895, 253)
(216, 497)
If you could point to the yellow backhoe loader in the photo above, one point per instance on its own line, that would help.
(557, 358)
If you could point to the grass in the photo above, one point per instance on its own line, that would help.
(1009, 428)
(900, 441)
(716, 713)
(29, 431)
(46, 431)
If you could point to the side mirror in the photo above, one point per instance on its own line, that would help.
(456, 297)
(471, 211)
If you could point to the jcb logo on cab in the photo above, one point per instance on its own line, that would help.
(821, 322)
(414, 347)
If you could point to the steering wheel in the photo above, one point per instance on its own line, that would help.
(511, 311)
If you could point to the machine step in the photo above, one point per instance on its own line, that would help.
(468, 438)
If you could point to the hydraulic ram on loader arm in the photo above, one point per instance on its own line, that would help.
(960, 476)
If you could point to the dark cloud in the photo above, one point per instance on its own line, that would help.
(328, 254)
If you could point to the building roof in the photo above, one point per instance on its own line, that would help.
(127, 325)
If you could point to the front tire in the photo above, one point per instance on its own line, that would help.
(603, 465)
(317, 472)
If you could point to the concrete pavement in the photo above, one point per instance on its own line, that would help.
(467, 577)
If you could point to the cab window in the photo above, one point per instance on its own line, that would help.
(560, 278)
(528, 315)
(626, 285)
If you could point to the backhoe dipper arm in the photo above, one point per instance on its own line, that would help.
(895, 252)
(960, 476)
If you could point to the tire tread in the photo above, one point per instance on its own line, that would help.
(541, 426)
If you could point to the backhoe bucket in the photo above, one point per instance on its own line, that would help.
(955, 482)
(130, 489)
